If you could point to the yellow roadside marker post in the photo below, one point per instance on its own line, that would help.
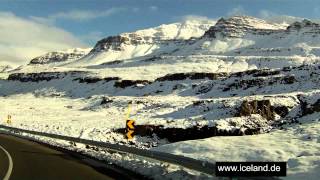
(129, 124)
(130, 129)
(9, 119)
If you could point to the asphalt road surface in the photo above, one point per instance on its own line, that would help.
(25, 160)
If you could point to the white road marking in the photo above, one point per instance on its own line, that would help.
(7, 176)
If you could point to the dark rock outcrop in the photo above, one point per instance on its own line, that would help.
(42, 76)
(245, 84)
(204, 88)
(256, 73)
(288, 80)
(152, 59)
(56, 57)
(89, 80)
(303, 24)
(191, 133)
(259, 82)
(262, 107)
(112, 62)
(282, 111)
(127, 83)
(238, 26)
(192, 76)
(307, 108)
(105, 100)
(110, 43)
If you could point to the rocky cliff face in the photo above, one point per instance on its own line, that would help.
(175, 32)
(248, 36)
(60, 56)
(305, 28)
(110, 43)
(305, 24)
(238, 26)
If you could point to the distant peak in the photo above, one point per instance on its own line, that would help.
(185, 30)
(249, 21)
(237, 26)
(304, 23)
(60, 56)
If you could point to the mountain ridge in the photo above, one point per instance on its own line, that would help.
(237, 35)
(60, 56)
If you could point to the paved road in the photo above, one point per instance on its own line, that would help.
(25, 160)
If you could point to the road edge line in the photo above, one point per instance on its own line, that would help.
(8, 174)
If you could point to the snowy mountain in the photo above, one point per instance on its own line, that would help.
(163, 39)
(60, 56)
(243, 36)
(236, 36)
(231, 45)
(247, 36)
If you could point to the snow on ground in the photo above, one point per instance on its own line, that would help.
(145, 69)
(68, 107)
(4, 75)
(71, 117)
(298, 145)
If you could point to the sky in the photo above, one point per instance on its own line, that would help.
(29, 28)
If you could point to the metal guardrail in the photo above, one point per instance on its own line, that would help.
(193, 164)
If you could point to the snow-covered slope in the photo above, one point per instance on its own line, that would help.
(60, 56)
(236, 36)
(159, 40)
(4, 68)
(247, 36)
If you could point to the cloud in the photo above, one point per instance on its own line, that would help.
(202, 19)
(43, 20)
(278, 18)
(83, 15)
(153, 8)
(237, 11)
(22, 39)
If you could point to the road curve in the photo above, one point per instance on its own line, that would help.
(10, 164)
(33, 161)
